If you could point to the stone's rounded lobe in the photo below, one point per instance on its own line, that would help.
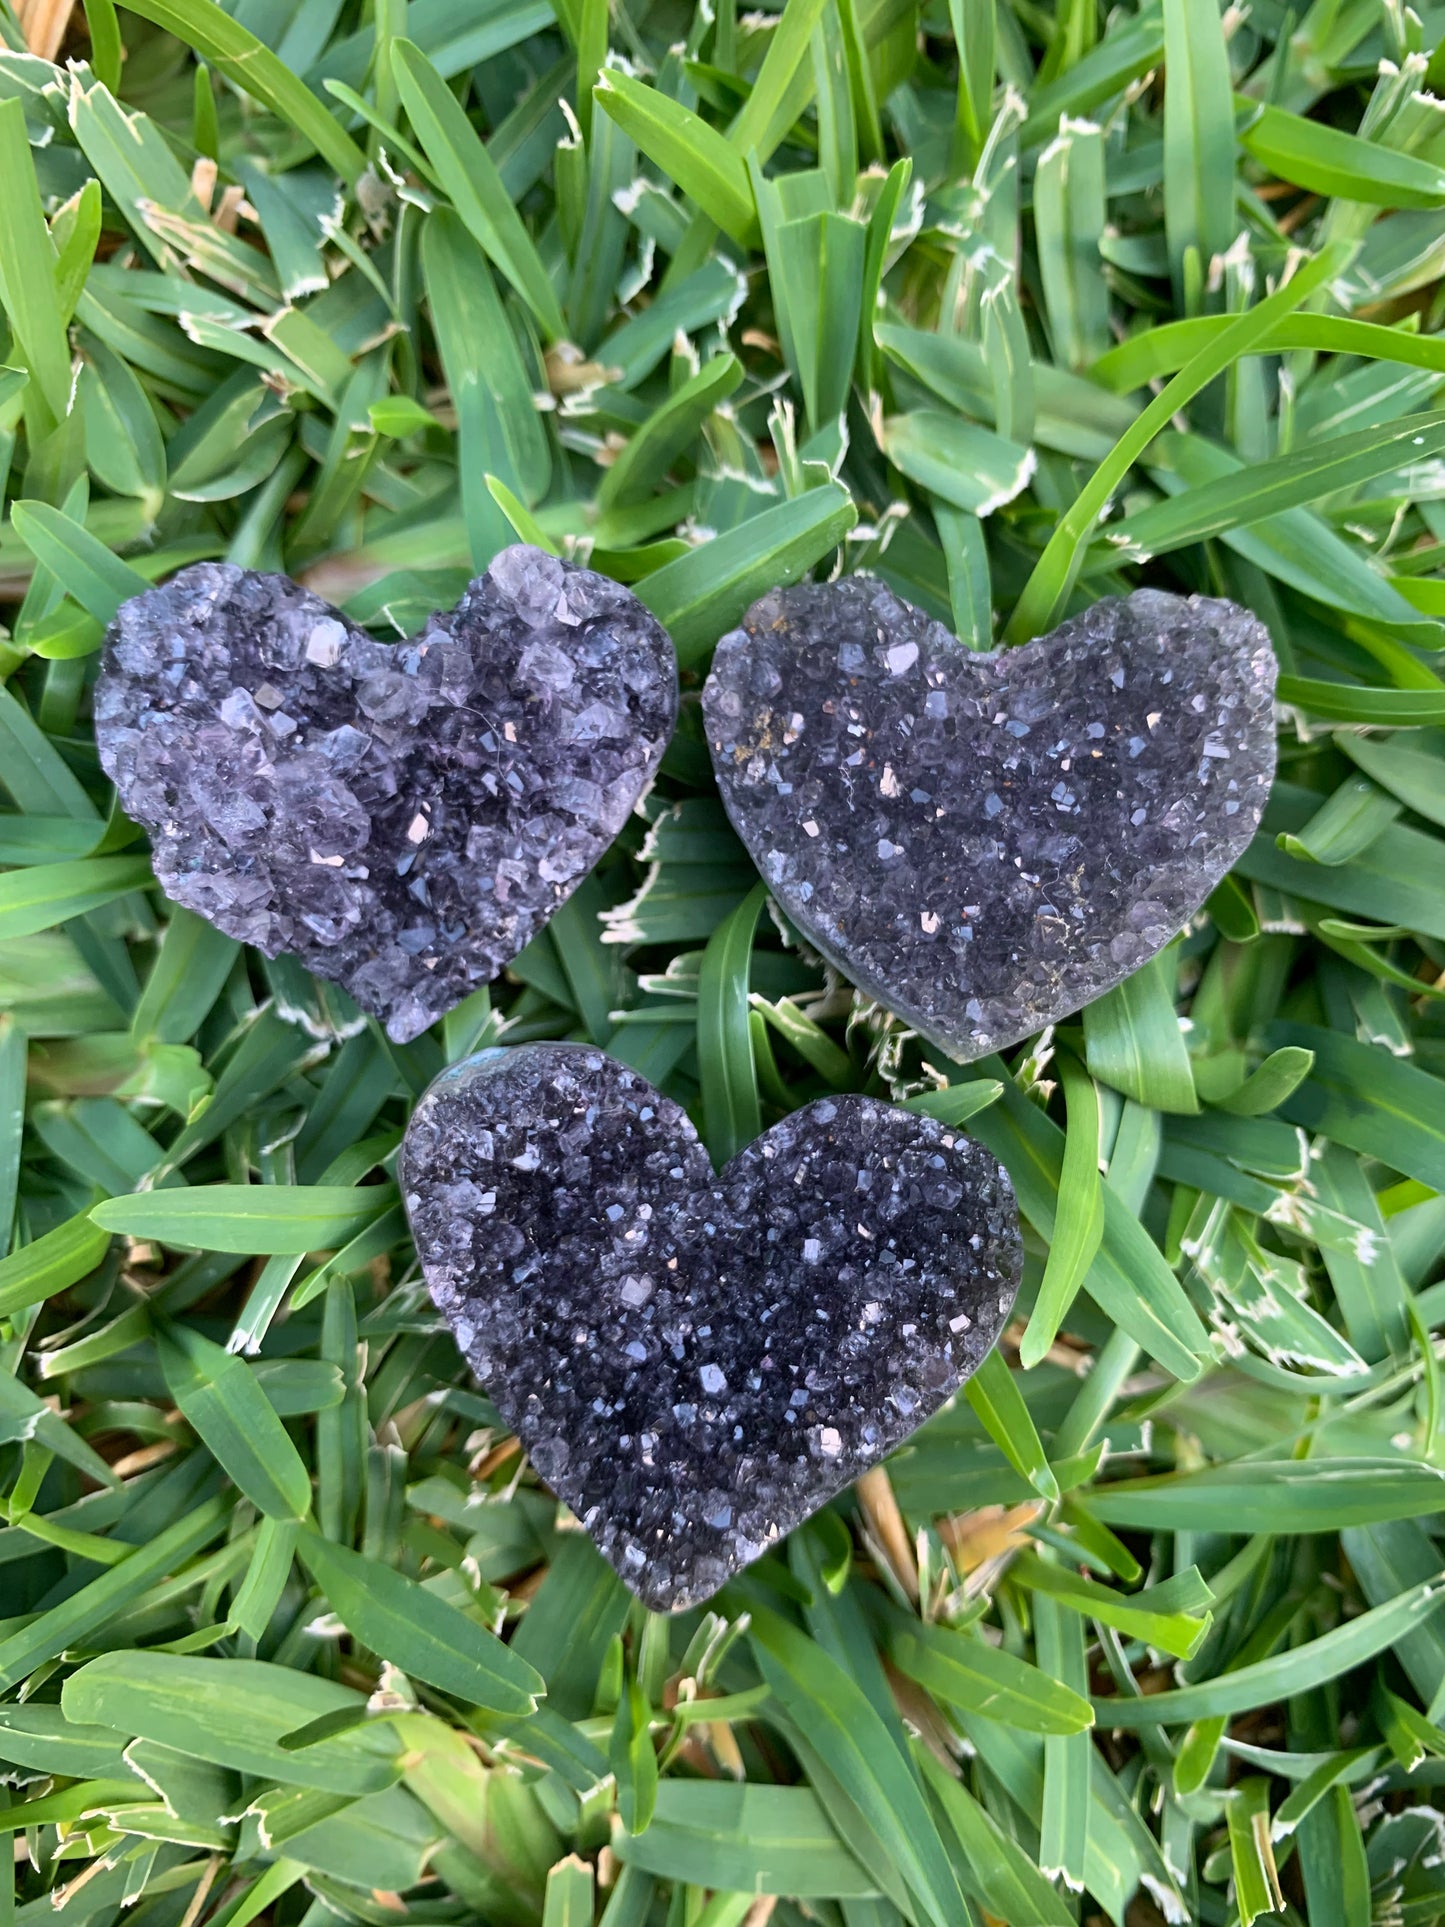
(403, 817)
(696, 1363)
(985, 843)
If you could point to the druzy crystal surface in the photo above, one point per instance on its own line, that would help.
(985, 843)
(695, 1363)
(401, 817)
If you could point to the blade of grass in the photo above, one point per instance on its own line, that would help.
(1057, 568)
(220, 1398)
(1282, 1675)
(731, 1109)
(470, 179)
(1078, 1217)
(699, 596)
(995, 1396)
(27, 268)
(250, 65)
(247, 1217)
(425, 1635)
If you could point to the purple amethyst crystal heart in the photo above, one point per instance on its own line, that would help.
(697, 1362)
(402, 817)
(985, 843)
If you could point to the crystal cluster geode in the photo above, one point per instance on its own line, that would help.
(985, 843)
(697, 1362)
(402, 817)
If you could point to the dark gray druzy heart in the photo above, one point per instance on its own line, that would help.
(402, 817)
(695, 1363)
(985, 843)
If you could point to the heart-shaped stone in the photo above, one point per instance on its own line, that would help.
(403, 817)
(695, 1363)
(985, 843)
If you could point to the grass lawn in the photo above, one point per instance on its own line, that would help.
(1015, 305)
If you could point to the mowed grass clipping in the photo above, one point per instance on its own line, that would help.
(1015, 304)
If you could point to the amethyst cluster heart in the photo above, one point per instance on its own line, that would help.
(985, 843)
(402, 817)
(697, 1362)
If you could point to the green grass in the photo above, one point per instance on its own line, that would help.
(1016, 306)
